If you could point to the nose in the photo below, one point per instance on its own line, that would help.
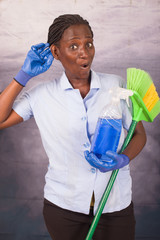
(83, 53)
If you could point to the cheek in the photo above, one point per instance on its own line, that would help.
(69, 59)
(68, 55)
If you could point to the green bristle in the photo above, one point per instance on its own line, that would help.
(138, 80)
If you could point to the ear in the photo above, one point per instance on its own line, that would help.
(55, 51)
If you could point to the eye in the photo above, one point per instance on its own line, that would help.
(73, 46)
(89, 45)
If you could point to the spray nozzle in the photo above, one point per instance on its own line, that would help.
(120, 93)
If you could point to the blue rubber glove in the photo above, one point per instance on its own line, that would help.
(108, 162)
(38, 60)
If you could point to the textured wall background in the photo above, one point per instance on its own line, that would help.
(127, 34)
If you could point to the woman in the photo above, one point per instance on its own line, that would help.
(66, 112)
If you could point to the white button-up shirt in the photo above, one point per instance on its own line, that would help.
(67, 123)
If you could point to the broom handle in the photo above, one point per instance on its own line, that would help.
(109, 185)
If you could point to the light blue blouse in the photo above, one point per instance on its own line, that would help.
(67, 123)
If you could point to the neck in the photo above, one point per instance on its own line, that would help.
(82, 84)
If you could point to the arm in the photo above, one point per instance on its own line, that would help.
(38, 60)
(137, 142)
(7, 98)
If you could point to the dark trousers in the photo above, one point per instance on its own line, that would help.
(67, 225)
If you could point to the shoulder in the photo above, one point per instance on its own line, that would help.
(42, 88)
(39, 93)
(110, 80)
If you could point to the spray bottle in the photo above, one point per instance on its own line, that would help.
(109, 125)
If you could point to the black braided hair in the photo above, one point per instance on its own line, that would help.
(61, 23)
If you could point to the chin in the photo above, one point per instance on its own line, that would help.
(85, 74)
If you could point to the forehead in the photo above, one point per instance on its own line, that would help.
(76, 31)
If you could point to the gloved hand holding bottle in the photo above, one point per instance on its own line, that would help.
(107, 162)
(38, 60)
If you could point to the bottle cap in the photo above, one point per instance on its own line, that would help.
(120, 93)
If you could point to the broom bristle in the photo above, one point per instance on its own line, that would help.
(151, 97)
(141, 82)
(138, 80)
(155, 110)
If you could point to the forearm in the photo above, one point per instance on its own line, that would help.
(7, 98)
(137, 142)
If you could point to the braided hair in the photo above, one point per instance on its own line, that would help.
(61, 23)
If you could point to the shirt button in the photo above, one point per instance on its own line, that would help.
(93, 170)
(86, 145)
(83, 118)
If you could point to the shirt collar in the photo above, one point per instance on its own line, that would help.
(95, 81)
(65, 84)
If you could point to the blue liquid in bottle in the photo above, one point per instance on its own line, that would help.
(107, 135)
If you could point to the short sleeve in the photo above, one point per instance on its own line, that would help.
(22, 106)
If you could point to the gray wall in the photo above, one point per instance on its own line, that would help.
(127, 34)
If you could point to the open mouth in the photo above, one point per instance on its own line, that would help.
(85, 66)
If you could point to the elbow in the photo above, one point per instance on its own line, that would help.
(2, 119)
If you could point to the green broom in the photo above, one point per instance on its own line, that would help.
(146, 106)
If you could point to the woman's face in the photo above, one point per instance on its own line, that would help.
(76, 51)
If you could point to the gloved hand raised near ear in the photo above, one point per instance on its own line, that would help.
(38, 60)
(108, 162)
